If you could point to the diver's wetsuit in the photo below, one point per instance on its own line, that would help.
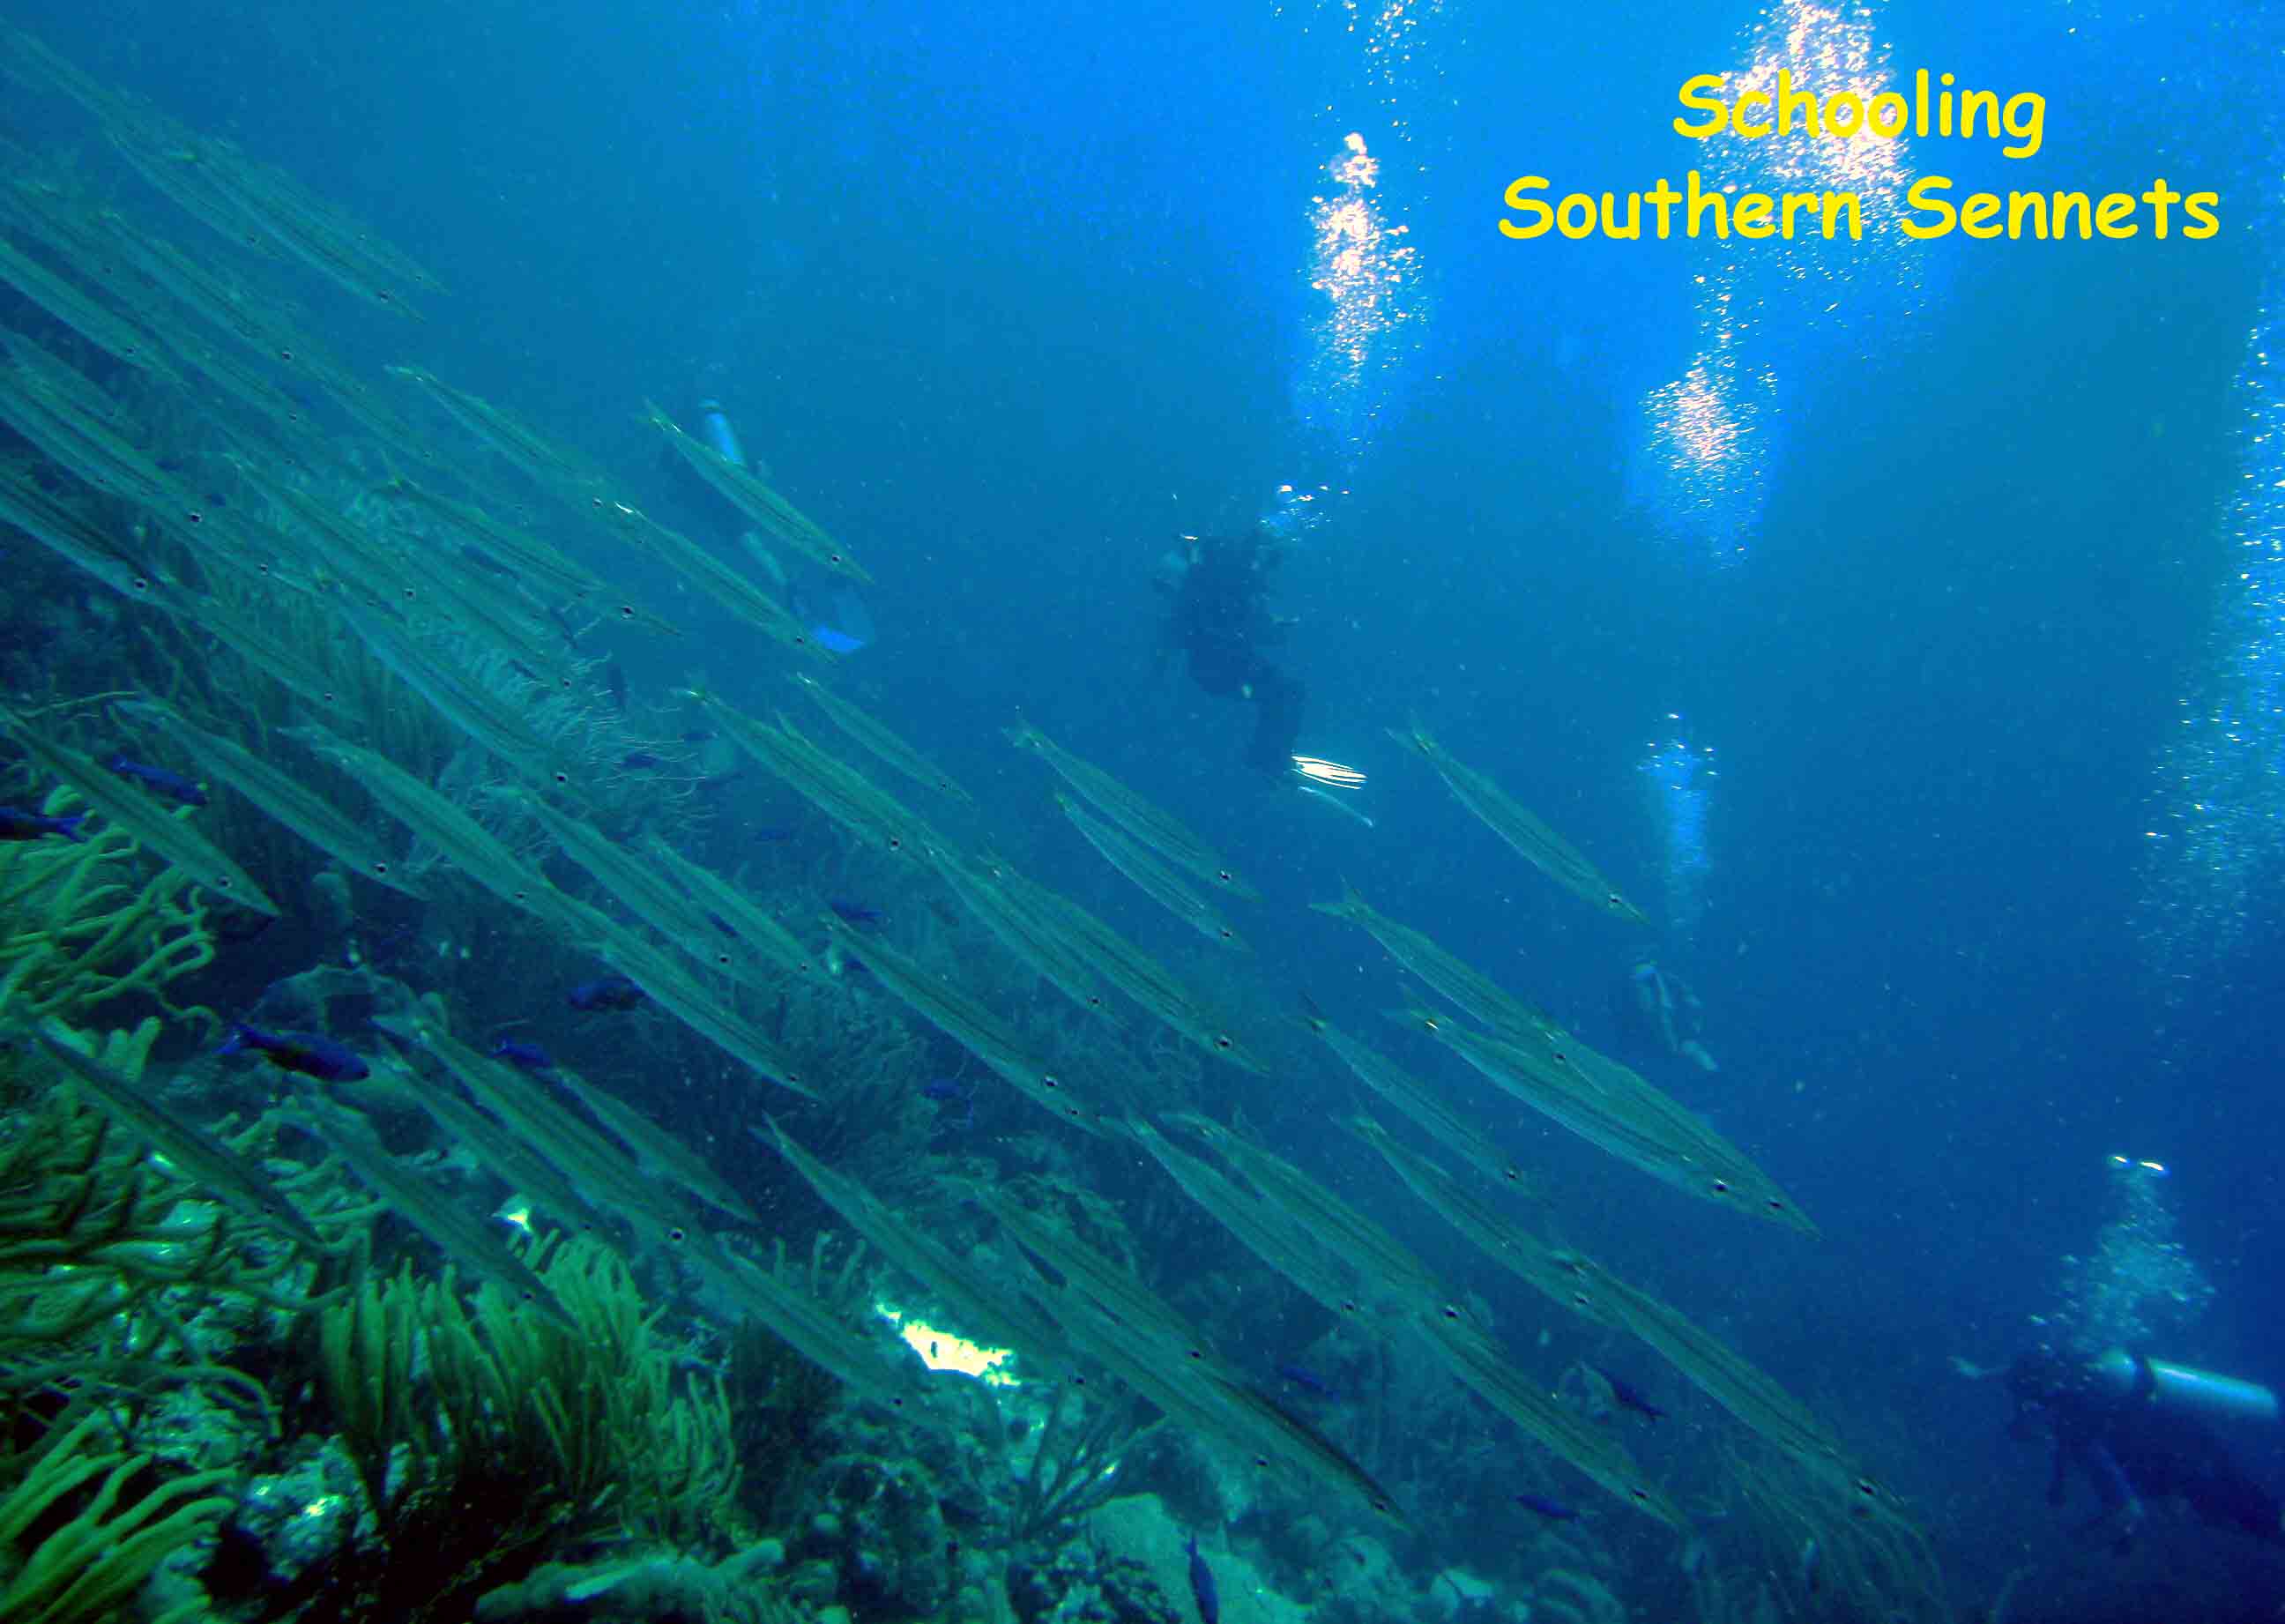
(2130, 1451)
(1220, 621)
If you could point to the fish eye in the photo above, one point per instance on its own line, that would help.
(563, 777)
(1721, 1187)
(384, 295)
(626, 611)
(1052, 1080)
(381, 867)
(1777, 1206)
(286, 355)
(196, 517)
(140, 584)
(1195, 1354)
(677, 1235)
(1221, 1041)
(1348, 1305)
(1450, 1313)
(222, 884)
(1224, 873)
(896, 843)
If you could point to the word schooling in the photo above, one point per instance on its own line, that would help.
(1935, 109)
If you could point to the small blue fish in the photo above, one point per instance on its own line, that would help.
(528, 1056)
(1202, 1586)
(642, 761)
(855, 912)
(305, 1052)
(948, 1091)
(15, 825)
(1309, 1381)
(174, 786)
(606, 993)
(1629, 1397)
(1553, 1511)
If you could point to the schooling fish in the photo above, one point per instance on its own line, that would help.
(297, 1051)
(1629, 1397)
(606, 993)
(15, 825)
(174, 786)
(1202, 1586)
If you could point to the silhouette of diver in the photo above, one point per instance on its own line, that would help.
(2135, 1428)
(1219, 621)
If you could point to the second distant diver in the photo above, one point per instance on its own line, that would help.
(1219, 620)
(1657, 1009)
(2137, 1430)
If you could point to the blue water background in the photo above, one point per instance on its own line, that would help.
(1006, 302)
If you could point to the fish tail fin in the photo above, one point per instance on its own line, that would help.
(239, 1041)
(69, 828)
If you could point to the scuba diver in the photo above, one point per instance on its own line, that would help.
(1657, 1009)
(1219, 621)
(2136, 1429)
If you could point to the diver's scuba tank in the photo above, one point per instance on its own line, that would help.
(714, 428)
(2180, 1389)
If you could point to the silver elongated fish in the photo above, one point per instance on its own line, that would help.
(1532, 840)
(1153, 824)
(753, 495)
(464, 1238)
(172, 837)
(683, 997)
(286, 798)
(1155, 879)
(658, 1151)
(957, 1013)
(195, 1153)
(879, 738)
(1644, 1134)
(981, 1298)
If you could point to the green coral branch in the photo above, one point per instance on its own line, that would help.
(72, 937)
(92, 1565)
